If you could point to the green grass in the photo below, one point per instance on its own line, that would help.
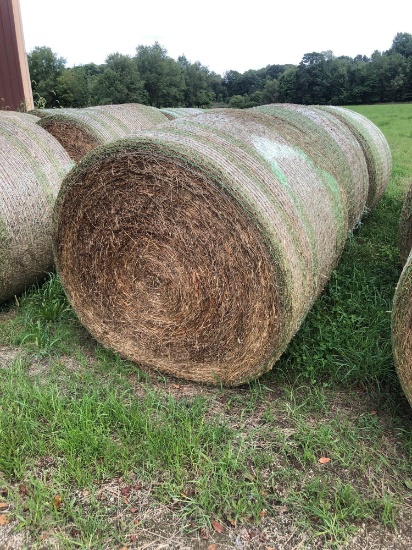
(79, 424)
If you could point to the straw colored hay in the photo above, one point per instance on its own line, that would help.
(405, 226)
(177, 112)
(331, 146)
(32, 167)
(81, 130)
(199, 247)
(375, 146)
(402, 328)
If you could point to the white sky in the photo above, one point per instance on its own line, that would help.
(221, 34)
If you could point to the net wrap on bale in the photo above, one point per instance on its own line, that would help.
(402, 328)
(81, 130)
(198, 248)
(177, 112)
(32, 167)
(375, 147)
(330, 144)
(405, 226)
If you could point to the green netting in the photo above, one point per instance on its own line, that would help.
(81, 130)
(198, 247)
(331, 146)
(32, 167)
(177, 112)
(401, 328)
(405, 226)
(375, 147)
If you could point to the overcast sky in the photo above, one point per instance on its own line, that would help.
(221, 34)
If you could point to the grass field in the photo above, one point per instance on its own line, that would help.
(96, 453)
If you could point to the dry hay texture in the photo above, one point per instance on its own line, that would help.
(375, 147)
(32, 167)
(199, 247)
(331, 145)
(81, 130)
(405, 226)
(177, 112)
(402, 327)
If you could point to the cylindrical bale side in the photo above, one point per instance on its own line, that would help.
(32, 167)
(41, 113)
(402, 328)
(405, 226)
(331, 146)
(375, 146)
(177, 112)
(80, 131)
(198, 248)
(17, 115)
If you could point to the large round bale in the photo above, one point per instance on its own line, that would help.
(330, 144)
(405, 226)
(199, 247)
(41, 113)
(17, 115)
(80, 131)
(177, 112)
(32, 167)
(375, 147)
(402, 328)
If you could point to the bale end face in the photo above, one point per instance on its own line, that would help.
(162, 265)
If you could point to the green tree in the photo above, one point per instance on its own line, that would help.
(163, 76)
(45, 67)
(119, 82)
(402, 44)
(198, 84)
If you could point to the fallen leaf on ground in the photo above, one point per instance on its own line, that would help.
(133, 510)
(212, 547)
(324, 460)
(204, 533)
(23, 490)
(57, 502)
(217, 526)
(3, 505)
(4, 520)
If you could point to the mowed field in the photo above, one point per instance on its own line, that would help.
(96, 452)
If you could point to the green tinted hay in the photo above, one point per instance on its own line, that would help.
(405, 226)
(81, 130)
(402, 328)
(32, 167)
(177, 112)
(375, 147)
(331, 146)
(198, 248)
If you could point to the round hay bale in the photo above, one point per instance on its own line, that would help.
(402, 328)
(330, 144)
(375, 147)
(177, 112)
(198, 248)
(17, 115)
(405, 226)
(41, 113)
(81, 130)
(32, 167)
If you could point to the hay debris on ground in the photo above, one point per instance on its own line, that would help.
(32, 167)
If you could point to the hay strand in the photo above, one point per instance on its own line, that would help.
(81, 130)
(199, 247)
(32, 167)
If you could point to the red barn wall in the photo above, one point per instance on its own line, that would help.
(15, 85)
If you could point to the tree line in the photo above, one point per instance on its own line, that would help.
(152, 77)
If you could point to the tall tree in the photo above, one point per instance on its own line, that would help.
(45, 67)
(163, 76)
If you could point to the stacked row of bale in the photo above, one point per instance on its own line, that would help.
(402, 302)
(81, 130)
(199, 247)
(32, 167)
(35, 155)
